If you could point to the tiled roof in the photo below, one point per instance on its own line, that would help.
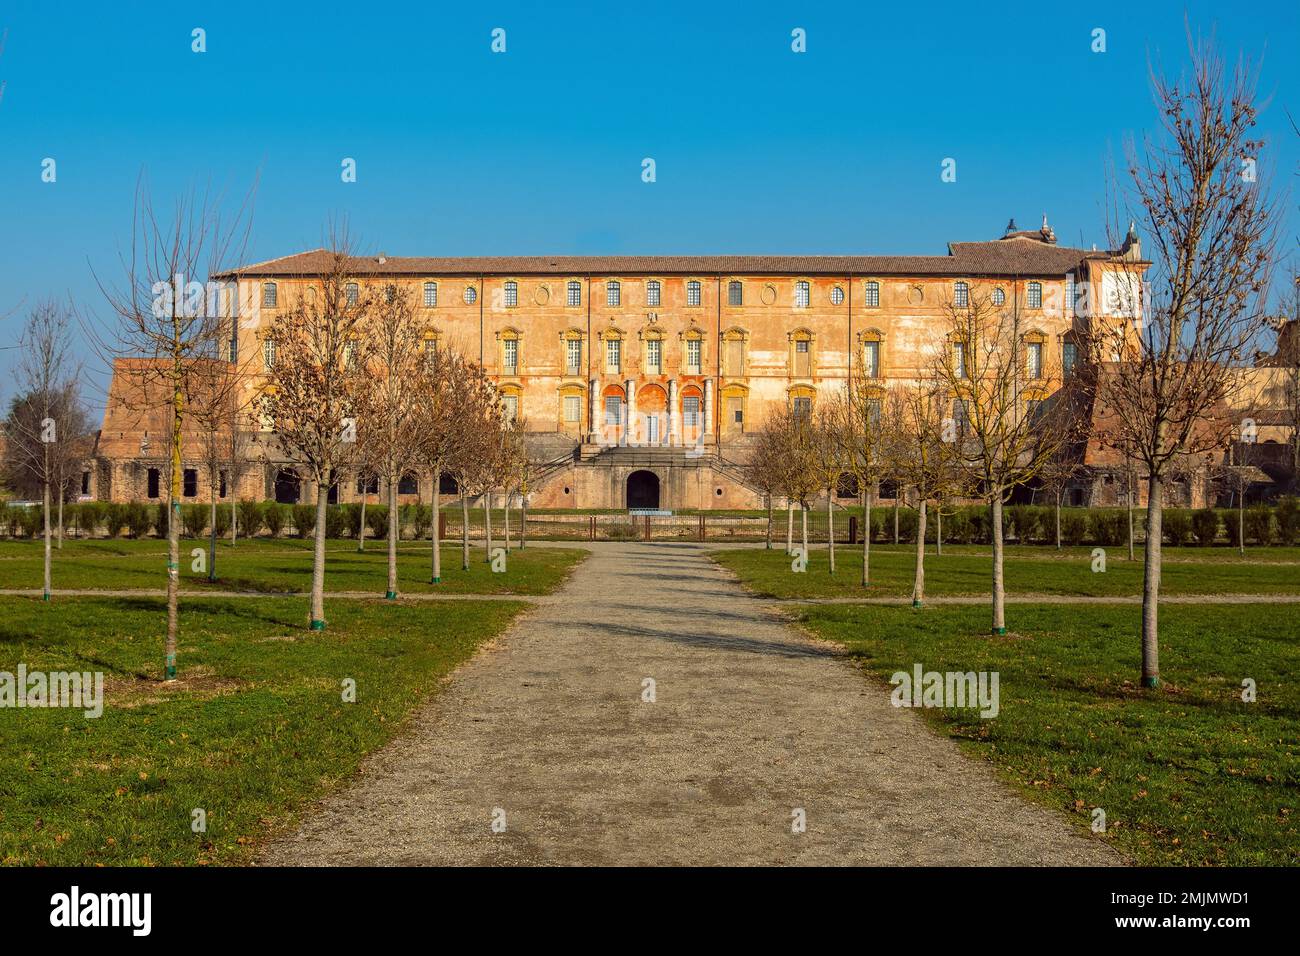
(1014, 257)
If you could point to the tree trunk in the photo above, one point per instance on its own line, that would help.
(487, 524)
(45, 519)
(803, 513)
(999, 586)
(437, 536)
(897, 492)
(1130, 518)
(394, 531)
(1241, 522)
(523, 520)
(1151, 584)
(507, 521)
(464, 531)
(361, 530)
(769, 522)
(174, 531)
(318, 557)
(60, 535)
(918, 582)
(789, 526)
(938, 527)
(1058, 521)
(866, 534)
(234, 514)
(830, 528)
(212, 540)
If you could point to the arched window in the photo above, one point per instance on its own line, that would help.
(693, 292)
(430, 295)
(471, 295)
(999, 296)
(270, 295)
(511, 294)
(613, 293)
(735, 292)
(652, 292)
(837, 296)
(575, 293)
(802, 294)
(871, 295)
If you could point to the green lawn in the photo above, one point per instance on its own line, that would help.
(1189, 775)
(284, 566)
(967, 570)
(255, 730)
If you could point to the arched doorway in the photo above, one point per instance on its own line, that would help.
(286, 486)
(643, 490)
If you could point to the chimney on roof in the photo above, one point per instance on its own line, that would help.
(1049, 235)
(383, 257)
(1132, 247)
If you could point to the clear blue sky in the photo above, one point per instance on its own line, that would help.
(538, 150)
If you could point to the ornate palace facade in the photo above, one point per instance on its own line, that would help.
(639, 378)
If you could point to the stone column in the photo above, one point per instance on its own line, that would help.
(708, 406)
(594, 422)
(672, 409)
(629, 392)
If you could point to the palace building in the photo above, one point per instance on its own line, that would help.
(640, 379)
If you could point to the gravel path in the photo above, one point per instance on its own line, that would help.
(751, 720)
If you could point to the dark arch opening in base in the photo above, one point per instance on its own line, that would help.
(643, 490)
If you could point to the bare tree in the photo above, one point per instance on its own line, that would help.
(1002, 429)
(171, 314)
(314, 383)
(46, 423)
(864, 452)
(386, 410)
(830, 420)
(1211, 231)
(922, 454)
(441, 377)
(215, 399)
(762, 470)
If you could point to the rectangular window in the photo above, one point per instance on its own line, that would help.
(802, 408)
(959, 416)
(612, 293)
(511, 357)
(1035, 359)
(512, 294)
(873, 295)
(510, 403)
(691, 411)
(221, 490)
(801, 295)
(873, 411)
(613, 409)
(572, 408)
(614, 355)
(572, 356)
(575, 293)
(190, 482)
(152, 489)
(269, 295)
(653, 355)
(352, 292)
(268, 353)
(1035, 295)
(430, 294)
(85, 482)
(871, 359)
(959, 359)
(652, 293)
(693, 356)
(735, 293)
(692, 293)
(1069, 294)
(1069, 357)
(961, 295)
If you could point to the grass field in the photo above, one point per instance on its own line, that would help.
(283, 565)
(1190, 775)
(967, 570)
(255, 729)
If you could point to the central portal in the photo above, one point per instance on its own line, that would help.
(643, 490)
